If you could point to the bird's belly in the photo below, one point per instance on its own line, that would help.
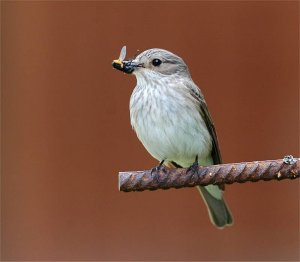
(173, 132)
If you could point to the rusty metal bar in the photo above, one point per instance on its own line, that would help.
(165, 178)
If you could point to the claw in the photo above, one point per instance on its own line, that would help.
(157, 168)
(194, 167)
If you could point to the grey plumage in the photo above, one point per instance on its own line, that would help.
(171, 119)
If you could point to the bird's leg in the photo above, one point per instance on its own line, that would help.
(157, 168)
(194, 167)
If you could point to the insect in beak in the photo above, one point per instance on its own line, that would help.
(125, 66)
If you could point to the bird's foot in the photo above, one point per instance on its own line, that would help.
(194, 167)
(157, 168)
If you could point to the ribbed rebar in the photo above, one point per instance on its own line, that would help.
(165, 178)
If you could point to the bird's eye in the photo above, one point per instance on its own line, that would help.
(156, 62)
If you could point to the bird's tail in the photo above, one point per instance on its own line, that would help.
(218, 211)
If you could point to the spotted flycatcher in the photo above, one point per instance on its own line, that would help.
(170, 117)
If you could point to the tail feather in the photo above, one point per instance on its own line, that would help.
(219, 213)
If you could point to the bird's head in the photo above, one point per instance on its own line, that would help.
(153, 62)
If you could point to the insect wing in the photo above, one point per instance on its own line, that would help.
(122, 53)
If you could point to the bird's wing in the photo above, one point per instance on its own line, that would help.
(216, 154)
(203, 109)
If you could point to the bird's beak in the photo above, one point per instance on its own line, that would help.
(125, 66)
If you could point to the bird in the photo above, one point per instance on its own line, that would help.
(170, 116)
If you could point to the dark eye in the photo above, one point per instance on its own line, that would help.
(156, 62)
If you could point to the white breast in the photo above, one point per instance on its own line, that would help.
(168, 123)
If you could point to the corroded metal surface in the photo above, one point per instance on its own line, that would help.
(167, 178)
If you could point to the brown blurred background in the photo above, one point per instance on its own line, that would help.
(66, 130)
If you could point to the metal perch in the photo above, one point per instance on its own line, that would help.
(165, 178)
